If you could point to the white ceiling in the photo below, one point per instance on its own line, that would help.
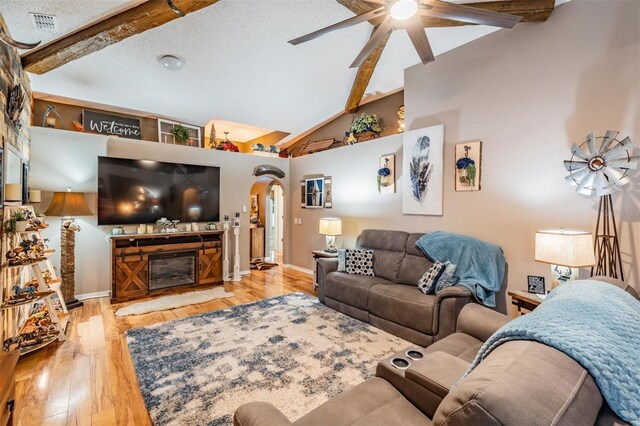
(239, 66)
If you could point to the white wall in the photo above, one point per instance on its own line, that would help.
(61, 159)
(528, 94)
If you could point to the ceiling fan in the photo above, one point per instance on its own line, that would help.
(406, 14)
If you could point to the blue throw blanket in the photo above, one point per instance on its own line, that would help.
(480, 265)
(596, 324)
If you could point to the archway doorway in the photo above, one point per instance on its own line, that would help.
(267, 220)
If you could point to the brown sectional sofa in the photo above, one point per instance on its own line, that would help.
(391, 300)
(519, 383)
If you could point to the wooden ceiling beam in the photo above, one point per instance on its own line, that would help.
(107, 31)
(363, 76)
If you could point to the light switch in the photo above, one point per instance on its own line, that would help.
(244, 209)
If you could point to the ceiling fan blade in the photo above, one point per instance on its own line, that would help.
(591, 143)
(375, 1)
(382, 30)
(419, 39)
(574, 165)
(609, 137)
(471, 15)
(342, 24)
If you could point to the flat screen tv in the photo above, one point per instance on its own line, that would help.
(143, 191)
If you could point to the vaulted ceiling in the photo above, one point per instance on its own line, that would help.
(239, 66)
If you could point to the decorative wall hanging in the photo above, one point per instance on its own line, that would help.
(165, 132)
(267, 169)
(109, 124)
(422, 171)
(6, 39)
(316, 192)
(401, 119)
(14, 105)
(387, 174)
(468, 166)
(597, 171)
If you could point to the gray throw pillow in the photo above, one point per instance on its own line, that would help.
(427, 283)
(359, 262)
(342, 260)
(448, 277)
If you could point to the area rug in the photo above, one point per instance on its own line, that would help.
(173, 302)
(261, 265)
(291, 351)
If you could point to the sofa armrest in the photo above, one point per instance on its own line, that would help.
(259, 414)
(446, 308)
(480, 322)
(438, 372)
(324, 267)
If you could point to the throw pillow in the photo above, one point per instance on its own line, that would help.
(448, 277)
(342, 260)
(359, 262)
(427, 283)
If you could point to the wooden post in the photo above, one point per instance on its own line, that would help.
(236, 257)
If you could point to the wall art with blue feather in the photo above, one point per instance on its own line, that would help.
(422, 171)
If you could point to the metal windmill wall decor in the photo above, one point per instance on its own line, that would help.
(597, 167)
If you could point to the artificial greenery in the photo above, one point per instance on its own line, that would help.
(10, 224)
(180, 133)
(367, 123)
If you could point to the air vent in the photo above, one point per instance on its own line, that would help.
(44, 22)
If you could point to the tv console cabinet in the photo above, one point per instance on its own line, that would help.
(152, 264)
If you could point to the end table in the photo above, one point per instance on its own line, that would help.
(525, 300)
(319, 254)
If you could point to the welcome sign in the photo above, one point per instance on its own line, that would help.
(107, 124)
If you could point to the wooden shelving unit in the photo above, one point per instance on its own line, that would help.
(17, 319)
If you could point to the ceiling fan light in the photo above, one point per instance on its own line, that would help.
(171, 62)
(403, 9)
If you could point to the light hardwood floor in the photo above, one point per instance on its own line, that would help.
(89, 379)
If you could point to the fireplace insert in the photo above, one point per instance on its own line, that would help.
(172, 269)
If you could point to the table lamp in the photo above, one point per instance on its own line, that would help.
(566, 251)
(67, 205)
(330, 227)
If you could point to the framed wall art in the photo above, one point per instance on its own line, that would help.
(314, 193)
(468, 166)
(422, 171)
(387, 174)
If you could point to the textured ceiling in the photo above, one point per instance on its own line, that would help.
(239, 66)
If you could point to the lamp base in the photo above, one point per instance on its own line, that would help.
(331, 244)
(73, 303)
(562, 274)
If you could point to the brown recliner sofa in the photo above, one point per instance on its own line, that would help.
(520, 382)
(391, 300)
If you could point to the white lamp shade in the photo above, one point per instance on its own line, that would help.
(330, 226)
(573, 249)
(35, 196)
(13, 192)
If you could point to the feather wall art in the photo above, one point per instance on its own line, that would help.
(423, 171)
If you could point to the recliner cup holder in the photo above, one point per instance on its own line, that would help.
(414, 354)
(400, 363)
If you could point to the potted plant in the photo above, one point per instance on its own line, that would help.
(367, 127)
(181, 134)
(466, 169)
(21, 220)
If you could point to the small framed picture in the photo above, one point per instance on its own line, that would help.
(314, 193)
(535, 284)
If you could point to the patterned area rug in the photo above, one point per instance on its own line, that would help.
(291, 351)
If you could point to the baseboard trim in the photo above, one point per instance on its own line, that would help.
(247, 272)
(95, 295)
(299, 269)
